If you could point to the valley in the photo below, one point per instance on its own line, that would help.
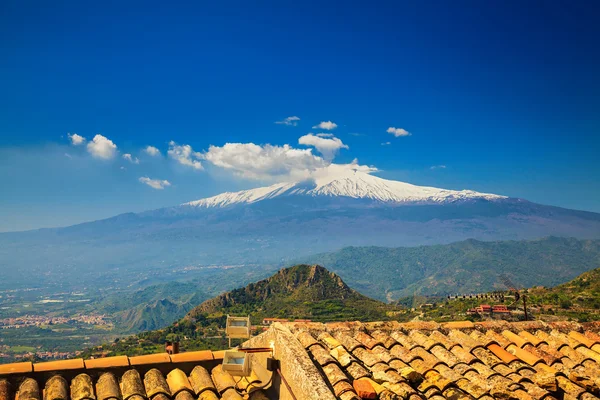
(388, 240)
(44, 321)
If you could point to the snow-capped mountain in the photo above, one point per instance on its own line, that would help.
(354, 184)
(285, 221)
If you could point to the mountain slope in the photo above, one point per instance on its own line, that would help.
(466, 267)
(580, 295)
(302, 291)
(152, 316)
(352, 184)
(271, 225)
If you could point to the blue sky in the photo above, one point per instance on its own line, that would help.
(505, 95)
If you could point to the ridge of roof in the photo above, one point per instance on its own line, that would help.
(108, 362)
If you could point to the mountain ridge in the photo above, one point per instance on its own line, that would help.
(300, 291)
(469, 266)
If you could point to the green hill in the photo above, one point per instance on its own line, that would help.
(469, 266)
(580, 296)
(302, 291)
(299, 292)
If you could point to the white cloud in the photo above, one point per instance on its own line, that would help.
(155, 183)
(266, 162)
(68, 155)
(437, 167)
(76, 139)
(325, 135)
(131, 159)
(102, 147)
(289, 121)
(185, 155)
(276, 163)
(327, 125)
(328, 146)
(153, 151)
(338, 170)
(386, 143)
(398, 132)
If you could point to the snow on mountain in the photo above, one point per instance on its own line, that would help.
(353, 184)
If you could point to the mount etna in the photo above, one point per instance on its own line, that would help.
(279, 223)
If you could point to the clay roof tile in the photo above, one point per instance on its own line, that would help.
(16, 368)
(405, 340)
(466, 341)
(366, 357)
(201, 381)
(343, 387)
(321, 355)
(531, 338)
(192, 356)
(178, 381)
(516, 339)
(334, 374)
(329, 340)
(367, 340)
(443, 339)
(29, 390)
(426, 341)
(131, 385)
(107, 362)
(222, 379)
(589, 343)
(501, 353)
(458, 325)
(60, 365)
(5, 390)
(82, 388)
(348, 341)
(387, 341)
(342, 356)
(149, 359)
(357, 371)
(306, 339)
(155, 383)
(107, 387)
(56, 389)
(524, 355)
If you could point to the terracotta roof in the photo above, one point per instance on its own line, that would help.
(186, 376)
(457, 360)
(352, 360)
